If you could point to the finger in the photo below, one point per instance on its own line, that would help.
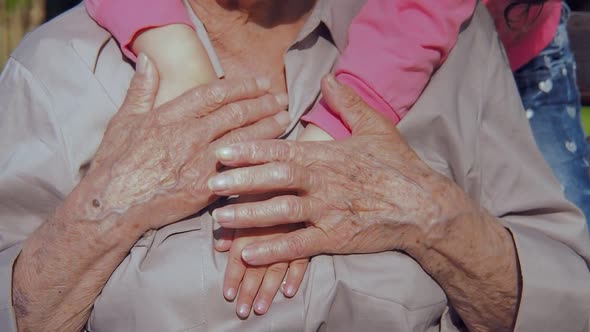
(302, 243)
(248, 290)
(270, 286)
(143, 88)
(262, 179)
(234, 272)
(268, 128)
(242, 113)
(275, 211)
(295, 276)
(224, 238)
(204, 99)
(355, 112)
(260, 152)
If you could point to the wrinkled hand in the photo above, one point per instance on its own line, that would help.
(153, 164)
(368, 193)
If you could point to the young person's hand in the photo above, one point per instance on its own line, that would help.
(255, 287)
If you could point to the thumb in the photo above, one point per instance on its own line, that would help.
(143, 89)
(353, 110)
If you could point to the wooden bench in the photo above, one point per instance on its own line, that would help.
(579, 31)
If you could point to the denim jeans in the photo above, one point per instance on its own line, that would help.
(547, 85)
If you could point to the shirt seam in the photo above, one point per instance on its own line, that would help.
(50, 113)
(95, 64)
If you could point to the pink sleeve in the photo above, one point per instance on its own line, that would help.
(393, 49)
(125, 18)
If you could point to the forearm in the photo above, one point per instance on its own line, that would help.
(181, 59)
(474, 259)
(64, 265)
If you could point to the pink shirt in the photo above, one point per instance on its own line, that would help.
(125, 18)
(394, 46)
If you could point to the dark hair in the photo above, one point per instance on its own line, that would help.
(526, 6)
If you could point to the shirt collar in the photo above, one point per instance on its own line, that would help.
(336, 15)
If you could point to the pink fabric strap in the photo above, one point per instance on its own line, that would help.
(126, 18)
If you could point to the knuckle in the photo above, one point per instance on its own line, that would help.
(246, 87)
(291, 208)
(235, 260)
(353, 100)
(268, 104)
(244, 178)
(236, 137)
(253, 278)
(246, 213)
(296, 245)
(277, 269)
(287, 173)
(284, 151)
(215, 95)
(237, 112)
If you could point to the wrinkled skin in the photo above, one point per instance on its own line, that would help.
(372, 193)
(365, 195)
(162, 158)
(150, 170)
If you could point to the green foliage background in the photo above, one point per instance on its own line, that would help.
(11, 4)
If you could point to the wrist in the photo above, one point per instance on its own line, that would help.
(82, 212)
(452, 218)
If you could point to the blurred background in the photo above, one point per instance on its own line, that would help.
(17, 17)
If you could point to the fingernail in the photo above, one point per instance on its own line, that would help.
(223, 215)
(142, 63)
(226, 153)
(263, 83)
(289, 291)
(244, 311)
(220, 242)
(249, 255)
(331, 80)
(220, 182)
(260, 307)
(282, 99)
(230, 294)
(283, 118)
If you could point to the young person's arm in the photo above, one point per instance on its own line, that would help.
(182, 61)
(394, 47)
(146, 27)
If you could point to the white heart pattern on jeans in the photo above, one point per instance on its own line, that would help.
(571, 111)
(571, 146)
(546, 86)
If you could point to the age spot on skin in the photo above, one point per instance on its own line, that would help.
(96, 203)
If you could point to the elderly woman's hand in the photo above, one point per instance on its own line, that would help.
(372, 193)
(368, 194)
(158, 161)
(150, 170)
